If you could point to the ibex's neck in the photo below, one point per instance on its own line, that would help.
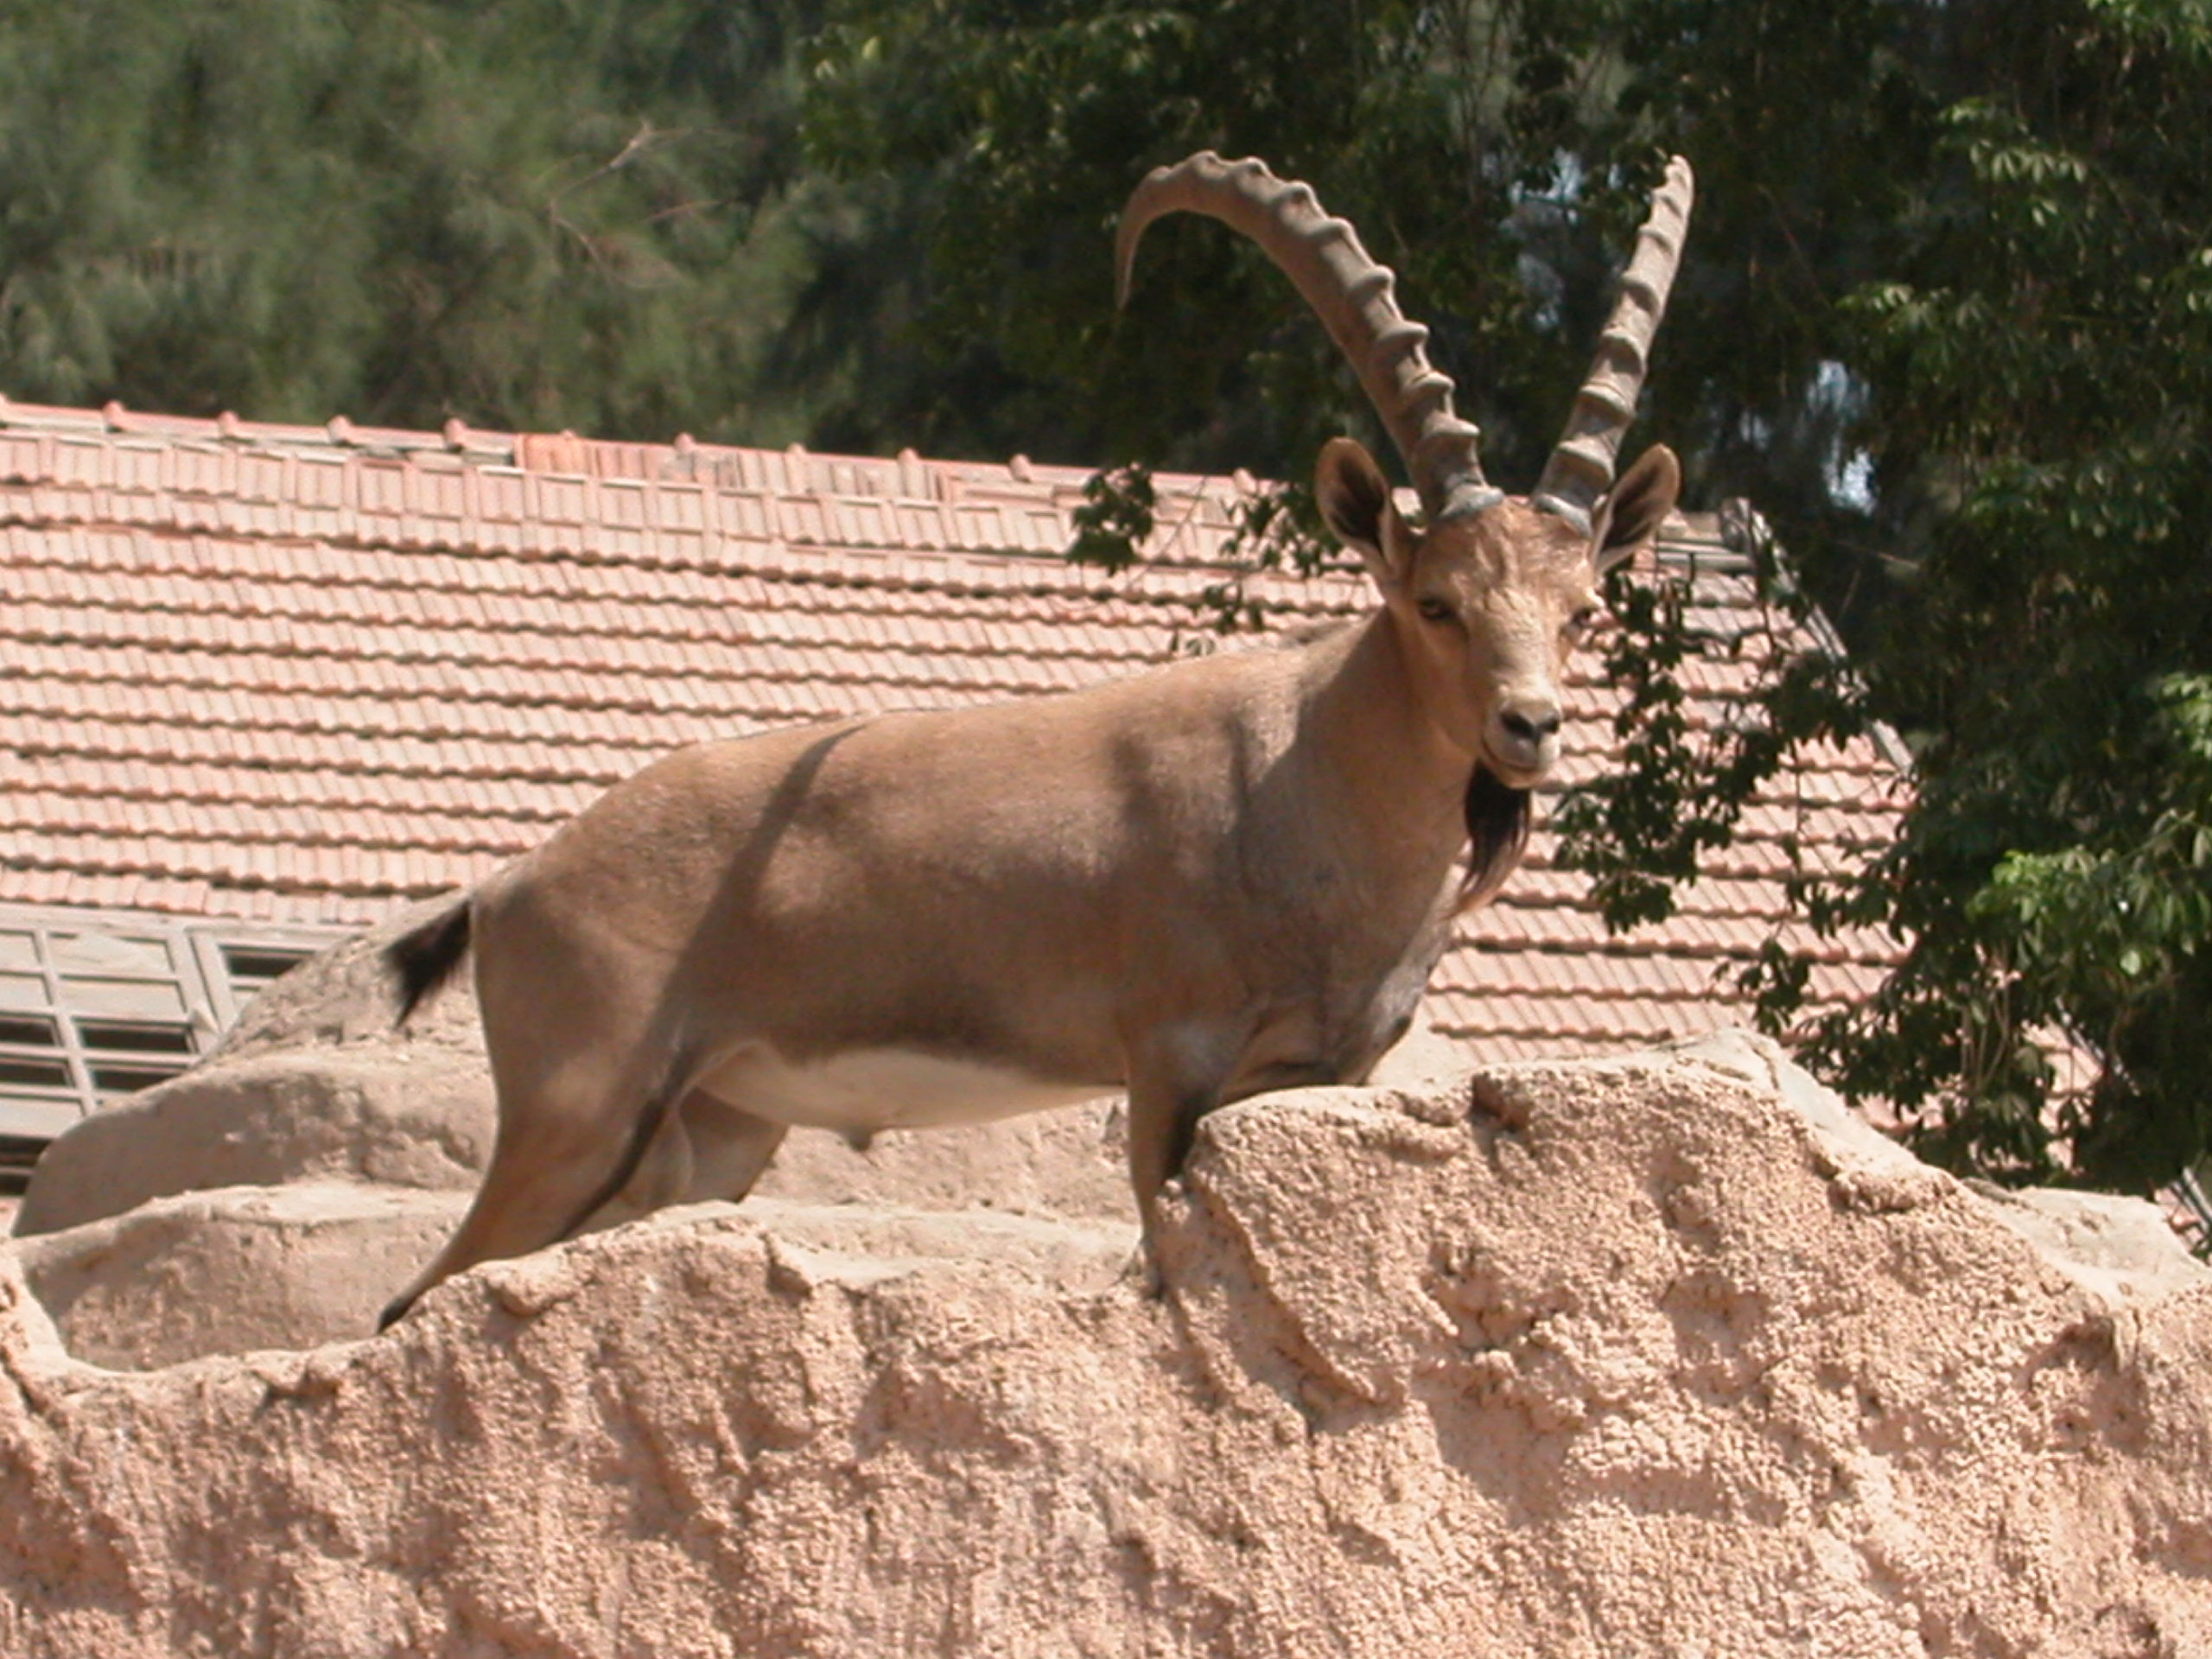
(1405, 779)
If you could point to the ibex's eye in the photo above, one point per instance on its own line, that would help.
(1436, 610)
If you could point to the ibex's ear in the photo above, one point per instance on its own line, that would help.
(1629, 517)
(1355, 501)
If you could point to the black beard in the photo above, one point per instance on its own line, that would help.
(1497, 831)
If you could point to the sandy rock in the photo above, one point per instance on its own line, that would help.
(235, 1270)
(858, 1243)
(1577, 1360)
(395, 1115)
(1070, 1163)
(2121, 1249)
(242, 1268)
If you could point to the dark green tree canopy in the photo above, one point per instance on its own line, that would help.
(529, 213)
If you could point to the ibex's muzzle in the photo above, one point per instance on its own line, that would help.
(1523, 737)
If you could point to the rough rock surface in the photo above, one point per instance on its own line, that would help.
(1656, 1356)
(397, 1116)
(237, 1268)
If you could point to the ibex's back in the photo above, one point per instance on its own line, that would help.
(1229, 876)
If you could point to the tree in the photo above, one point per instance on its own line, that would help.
(527, 214)
(2037, 354)
(1027, 126)
(1943, 319)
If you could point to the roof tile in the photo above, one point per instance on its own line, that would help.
(255, 670)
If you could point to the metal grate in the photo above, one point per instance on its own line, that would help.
(96, 1005)
(18, 1155)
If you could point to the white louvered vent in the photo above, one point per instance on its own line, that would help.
(97, 1005)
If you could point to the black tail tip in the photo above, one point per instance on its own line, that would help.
(424, 957)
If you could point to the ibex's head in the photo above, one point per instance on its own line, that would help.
(1490, 593)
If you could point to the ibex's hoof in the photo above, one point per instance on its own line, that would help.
(1142, 1272)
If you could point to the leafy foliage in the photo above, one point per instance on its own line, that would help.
(1119, 509)
(2038, 356)
(1944, 318)
(2110, 938)
(1026, 126)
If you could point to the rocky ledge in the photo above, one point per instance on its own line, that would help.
(1666, 1355)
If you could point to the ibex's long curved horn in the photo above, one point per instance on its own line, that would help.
(1352, 296)
(1580, 470)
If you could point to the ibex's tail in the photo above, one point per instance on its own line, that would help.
(424, 958)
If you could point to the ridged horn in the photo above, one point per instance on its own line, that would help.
(1580, 470)
(1351, 294)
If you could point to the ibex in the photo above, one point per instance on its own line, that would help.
(1228, 875)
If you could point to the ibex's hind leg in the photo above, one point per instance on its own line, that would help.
(729, 1147)
(554, 1165)
(661, 1175)
(706, 1148)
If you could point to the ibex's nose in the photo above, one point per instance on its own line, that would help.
(1526, 734)
(1530, 726)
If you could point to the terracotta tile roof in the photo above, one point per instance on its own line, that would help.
(299, 675)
